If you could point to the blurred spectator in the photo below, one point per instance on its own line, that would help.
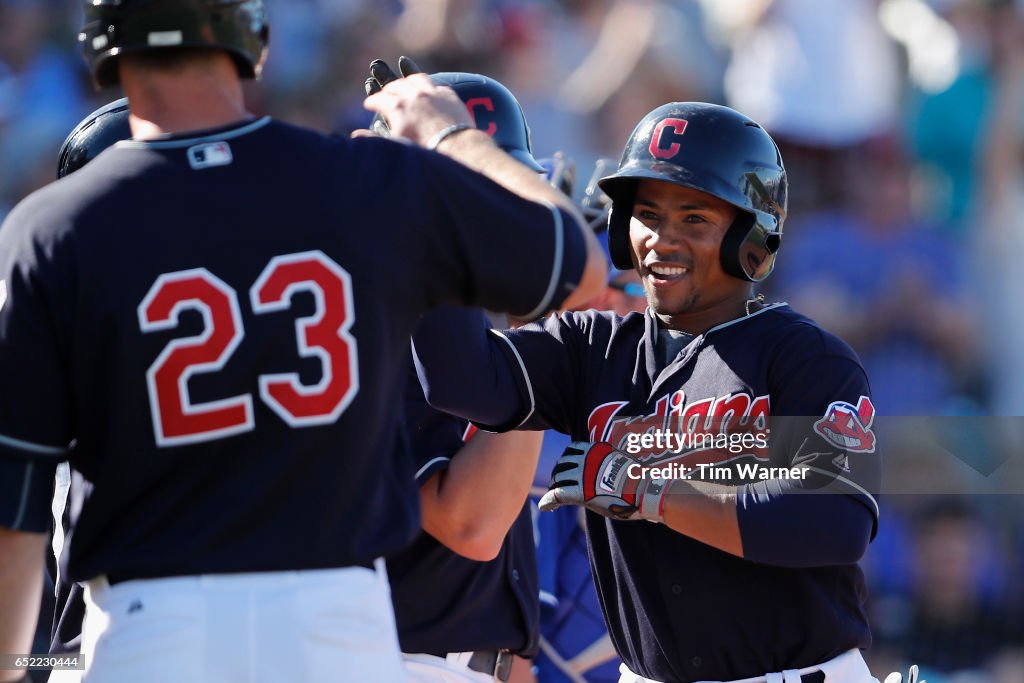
(325, 48)
(999, 235)
(947, 625)
(450, 35)
(540, 44)
(823, 77)
(587, 70)
(42, 96)
(666, 37)
(300, 32)
(947, 126)
(887, 284)
(668, 57)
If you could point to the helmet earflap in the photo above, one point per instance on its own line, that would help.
(748, 250)
(619, 247)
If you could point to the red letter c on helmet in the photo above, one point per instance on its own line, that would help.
(659, 150)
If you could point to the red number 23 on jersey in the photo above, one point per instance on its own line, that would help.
(323, 335)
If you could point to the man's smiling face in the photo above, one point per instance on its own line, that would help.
(676, 234)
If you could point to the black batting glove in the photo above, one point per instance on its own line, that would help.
(381, 74)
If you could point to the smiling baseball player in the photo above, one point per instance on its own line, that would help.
(735, 557)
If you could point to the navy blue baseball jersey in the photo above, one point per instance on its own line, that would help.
(679, 610)
(214, 331)
(443, 601)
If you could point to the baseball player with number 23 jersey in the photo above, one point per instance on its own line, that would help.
(203, 324)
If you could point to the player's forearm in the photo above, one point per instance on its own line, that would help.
(461, 371)
(782, 527)
(475, 149)
(705, 512)
(21, 585)
(471, 506)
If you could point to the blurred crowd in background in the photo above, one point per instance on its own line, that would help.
(902, 126)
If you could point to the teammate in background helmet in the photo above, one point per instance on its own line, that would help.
(200, 323)
(492, 107)
(725, 449)
(465, 590)
(96, 132)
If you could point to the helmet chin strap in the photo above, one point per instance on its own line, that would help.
(756, 301)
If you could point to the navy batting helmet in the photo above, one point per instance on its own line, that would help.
(716, 150)
(95, 133)
(114, 27)
(494, 110)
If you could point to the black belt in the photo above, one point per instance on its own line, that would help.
(496, 663)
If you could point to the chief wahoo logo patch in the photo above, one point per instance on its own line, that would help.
(848, 426)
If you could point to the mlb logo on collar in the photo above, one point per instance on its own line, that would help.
(209, 154)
